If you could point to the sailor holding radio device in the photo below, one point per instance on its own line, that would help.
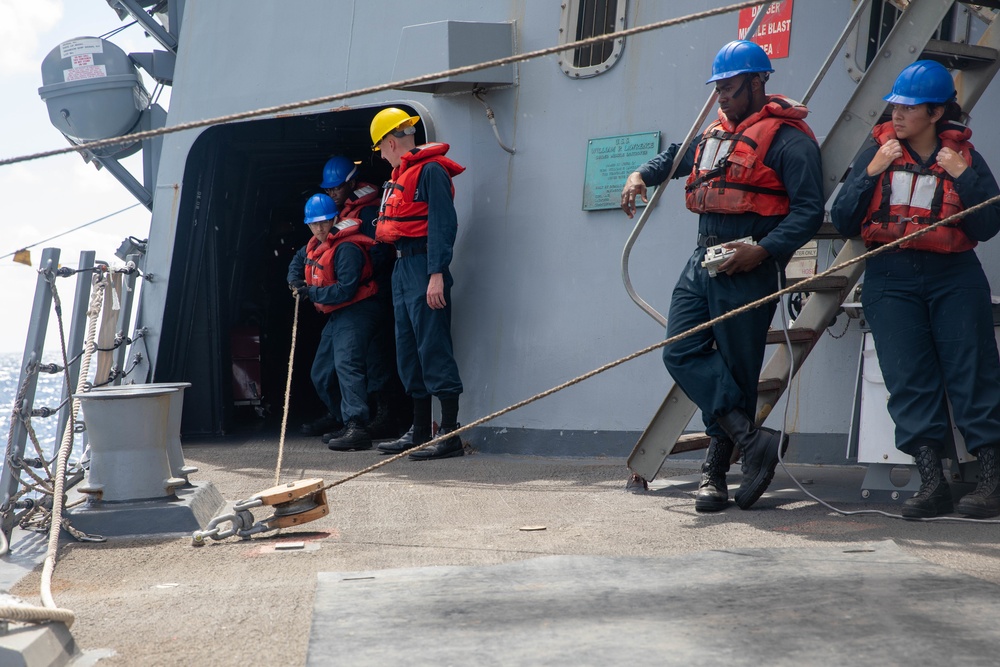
(755, 179)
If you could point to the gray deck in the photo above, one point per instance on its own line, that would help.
(870, 604)
(606, 569)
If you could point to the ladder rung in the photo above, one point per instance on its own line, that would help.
(828, 231)
(771, 384)
(955, 55)
(690, 442)
(802, 335)
(827, 283)
(995, 4)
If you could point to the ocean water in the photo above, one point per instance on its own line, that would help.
(48, 393)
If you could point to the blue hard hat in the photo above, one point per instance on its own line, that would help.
(337, 171)
(739, 57)
(320, 208)
(923, 82)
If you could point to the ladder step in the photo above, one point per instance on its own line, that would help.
(828, 231)
(824, 284)
(994, 4)
(690, 442)
(802, 335)
(954, 55)
(770, 384)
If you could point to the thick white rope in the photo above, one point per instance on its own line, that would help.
(288, 394)
(423, 78)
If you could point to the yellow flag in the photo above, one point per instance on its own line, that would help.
(23, 257)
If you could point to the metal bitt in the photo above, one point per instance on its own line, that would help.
(127, 432)
(172, 434)
(294, 504)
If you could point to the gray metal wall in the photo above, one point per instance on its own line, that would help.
(538, 297)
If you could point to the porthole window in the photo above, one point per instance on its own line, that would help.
(590, 18)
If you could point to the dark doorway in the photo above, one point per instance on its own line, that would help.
(240, 223)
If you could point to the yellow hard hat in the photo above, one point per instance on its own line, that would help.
(387, 120)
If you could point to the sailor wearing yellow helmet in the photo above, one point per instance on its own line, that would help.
(418, 216)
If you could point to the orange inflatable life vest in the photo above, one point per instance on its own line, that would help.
(909, 196)
(365, 194)
(320, 271)
(400, 215)
(729, 175)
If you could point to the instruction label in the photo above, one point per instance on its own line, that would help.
(609, 162)
(774, 31)
(73, 47)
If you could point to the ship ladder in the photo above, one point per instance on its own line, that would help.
(911, 39)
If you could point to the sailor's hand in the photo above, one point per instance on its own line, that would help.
(634, 187)
(747, 258)
(951, 162)
(884, 156)
(435, 291)
(299, 288)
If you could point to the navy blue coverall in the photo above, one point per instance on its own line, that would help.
(343, 346)
(380, 351)
(424, 352)
(931, 318)
(719, 368)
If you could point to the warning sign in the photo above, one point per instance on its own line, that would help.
(775, 28)
(78, 73)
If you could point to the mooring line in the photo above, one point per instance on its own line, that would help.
(423, 78)
(684, 334)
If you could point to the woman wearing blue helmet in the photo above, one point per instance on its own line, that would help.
(928, 300)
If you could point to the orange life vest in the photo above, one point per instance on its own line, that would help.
(729, 175)
(909, 196)
(366, 194)
(400, 215)
(320, 270)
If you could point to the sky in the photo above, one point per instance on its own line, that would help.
(42, 198)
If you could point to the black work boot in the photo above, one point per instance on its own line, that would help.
(381, 426)
(759, 451)
(327, 437)
(354, 437)
(324, 424)
(713, 494)
(443, 450)
(934, 496)
(408, 440)
(984, 502)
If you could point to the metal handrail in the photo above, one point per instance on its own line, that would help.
(651, 204)
(695, 128)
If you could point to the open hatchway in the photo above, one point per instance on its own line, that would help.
(228, 317)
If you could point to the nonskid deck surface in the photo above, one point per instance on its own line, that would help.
(160, 601)
(872, 604)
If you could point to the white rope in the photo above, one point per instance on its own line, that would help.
(423, 78)
(288, 395)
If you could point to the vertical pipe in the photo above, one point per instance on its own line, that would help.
(77, 330)
(125, 314)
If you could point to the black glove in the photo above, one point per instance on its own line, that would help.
(299, 288)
